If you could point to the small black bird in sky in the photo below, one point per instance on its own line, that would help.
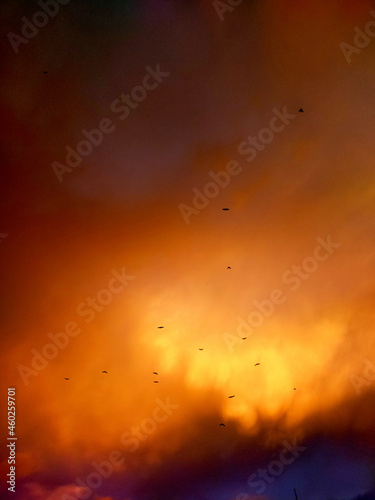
(156, 381)
(154, 373)
(231, 396)
(223, 425)
(200, 349)
(300, 110)
(104, 371)
(294, 389)
(229, 267)
(66, 379)
(256, 364)
(45, 72)
(244, 338)
(225, 209)
(160, 326)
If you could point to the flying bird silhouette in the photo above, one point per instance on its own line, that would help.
(160, 326)
(300, 110)
(225, 209)
(156, 381)
(229, 267)
(66, 379)
(294, 389)
(231, 396)
(244, 338)
(223, 425)
(154, 373)
(200, 349)
(256, 364)
(104, 371)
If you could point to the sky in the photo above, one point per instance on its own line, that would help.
(127, 127)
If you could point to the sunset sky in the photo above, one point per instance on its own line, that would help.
(190, 107)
